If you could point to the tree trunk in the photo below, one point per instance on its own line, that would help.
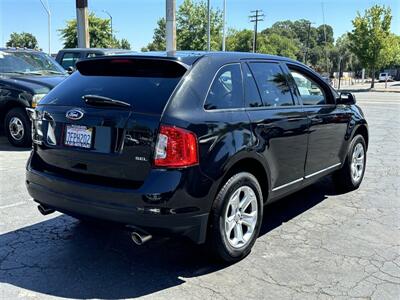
(373, 78)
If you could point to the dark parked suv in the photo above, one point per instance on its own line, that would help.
(193, 144)
(26, 76)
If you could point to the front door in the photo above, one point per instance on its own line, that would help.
(328, 122)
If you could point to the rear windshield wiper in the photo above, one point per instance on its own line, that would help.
(104, 101)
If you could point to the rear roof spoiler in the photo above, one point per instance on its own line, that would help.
(135, 66)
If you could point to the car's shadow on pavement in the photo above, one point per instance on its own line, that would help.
(65, 258)
(6, 146)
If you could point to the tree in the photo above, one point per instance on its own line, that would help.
(158, 43)
(99, 32)
(368, 38)
(22, 40)
(191, 28)
(390, 54)
(279, 45)
(239, 40)
(124, 44)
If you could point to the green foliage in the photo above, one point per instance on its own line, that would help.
(99, 32)
(124, 44)
(239, 40)
(191, 28)
(390, 54)
(22, 40)
(279, 45)
(371, 36)
(158, 43)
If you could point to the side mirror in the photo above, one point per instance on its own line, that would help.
(347, 98)
(70, 70)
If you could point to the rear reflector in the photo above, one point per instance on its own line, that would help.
(175, 148)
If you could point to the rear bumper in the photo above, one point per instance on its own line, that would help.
(164, 204)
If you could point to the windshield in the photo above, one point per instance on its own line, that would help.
(34, 63)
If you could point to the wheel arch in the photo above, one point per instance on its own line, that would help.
(253, 166)
(363, 131)
(9, 105)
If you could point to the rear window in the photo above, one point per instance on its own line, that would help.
(146, 85)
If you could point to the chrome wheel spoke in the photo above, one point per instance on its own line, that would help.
(244, 203)
(238, 233)
(229, 225)
(249, 219)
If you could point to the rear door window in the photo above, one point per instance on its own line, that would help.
(272, 84)
(251, 93)
(226, 91)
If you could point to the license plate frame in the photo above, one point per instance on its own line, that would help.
(78, 136)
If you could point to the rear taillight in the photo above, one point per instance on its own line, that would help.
(175, 148)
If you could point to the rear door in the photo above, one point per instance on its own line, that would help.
(98, 138)
(328, 122)
(278, 121)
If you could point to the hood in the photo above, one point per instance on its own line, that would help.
(35, 84)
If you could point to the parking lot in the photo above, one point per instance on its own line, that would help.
(316, 244)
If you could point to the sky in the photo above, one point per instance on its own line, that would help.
(135, 20)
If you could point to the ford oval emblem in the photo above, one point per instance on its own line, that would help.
(74, 114)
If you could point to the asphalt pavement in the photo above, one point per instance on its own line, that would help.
(315, 244)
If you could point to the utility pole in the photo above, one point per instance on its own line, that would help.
(326, 51)
(257, 16)
(208, 26)
(106, 12)
(170, 29)
(47, 9)
(307, 44)
(82, 23)
(224, 27)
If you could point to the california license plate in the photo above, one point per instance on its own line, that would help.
(78, 136)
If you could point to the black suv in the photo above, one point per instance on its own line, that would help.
(191, 143)
(26, 76)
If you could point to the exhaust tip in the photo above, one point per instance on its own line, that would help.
(45, 210)
(140, 239)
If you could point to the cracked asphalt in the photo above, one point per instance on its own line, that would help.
(315, 244)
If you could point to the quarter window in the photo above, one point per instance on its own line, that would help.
(272, 84)
(226, 90)
(311, 93)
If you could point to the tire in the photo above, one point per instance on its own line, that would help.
(345, 179)
(17, 127)
(229, 248)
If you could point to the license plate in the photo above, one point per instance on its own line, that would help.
(78, 136)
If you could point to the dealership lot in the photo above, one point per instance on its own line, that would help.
(314, 244)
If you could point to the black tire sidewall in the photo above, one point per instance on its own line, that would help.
(224, 249)
(22, 115)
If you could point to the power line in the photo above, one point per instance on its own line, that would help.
(257, 16)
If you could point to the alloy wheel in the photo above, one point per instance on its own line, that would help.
(16, 128)
(241, 216)
(357, 162)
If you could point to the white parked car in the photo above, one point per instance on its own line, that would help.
(384, 77)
